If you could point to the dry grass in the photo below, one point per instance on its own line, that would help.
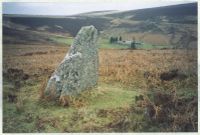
(37, 64)
(126, 67)
(158, 39)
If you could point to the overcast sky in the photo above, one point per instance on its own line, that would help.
(71, 8)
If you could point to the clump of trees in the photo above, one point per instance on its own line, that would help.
(115, 39)
(133, 46)
(120, 38)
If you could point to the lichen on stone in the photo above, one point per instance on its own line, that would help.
(79, 69)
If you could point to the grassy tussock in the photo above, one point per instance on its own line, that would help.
(42, 88)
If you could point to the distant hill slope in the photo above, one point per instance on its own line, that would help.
(63, 24)
(98, 13)
(172, 12)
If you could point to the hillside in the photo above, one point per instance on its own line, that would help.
(171, 25)
(168, 13)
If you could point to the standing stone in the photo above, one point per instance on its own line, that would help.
(79, 69)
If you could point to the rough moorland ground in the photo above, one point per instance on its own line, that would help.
(129, 97)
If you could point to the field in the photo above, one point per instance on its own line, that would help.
(105, 44)
(123, 101)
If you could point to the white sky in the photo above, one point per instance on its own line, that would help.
(80, 6)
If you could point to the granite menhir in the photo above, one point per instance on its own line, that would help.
(79, 69)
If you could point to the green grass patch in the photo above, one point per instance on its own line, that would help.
(105, 44)
(113, 97)
(33, 115)
(151, 46)
(62, 40)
